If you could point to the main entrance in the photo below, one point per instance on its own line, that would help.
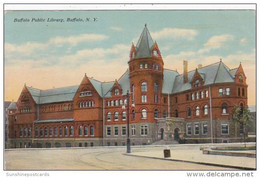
(162, 133)
(176, 134)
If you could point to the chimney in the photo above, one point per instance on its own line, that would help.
(185, 71)
(199, 66)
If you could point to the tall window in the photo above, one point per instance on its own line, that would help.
(241, 79)
(197, 111)
(144, 114)
(121, 102)
(145, 65)
(116, 131)
(116, 102)
(144, 130)
(207, 93)
(112, 103)
(156, 98)
(108, 103)
(156, 87)
(66, 131)
(133, 93)
(188, 131)
(176, 113)
(224, 108)
(188, 112)
(25, 132)
(144, 87)
(156, 113)
(205, 129)
(133, 114)
(196, 129)
(55, 131)
(86, 130)
(50, 131)
(109, 116)
(71, 131)
(41, 132)
(164, 113)
(144, 98)
(108, 131)
(133, 130)
(141, 66)
(206, 109)
(45, 132)
(29, 132)
(243, 92)
(197, 96)
(92, 130)
(192, 96)
(36, 132)
(123, 130)
(123, 115)
(220, 92)
(60, 131)
(227, 91)
(202, 94)
(116, 116)
(238, 91)
(197, 83)
(80, 131)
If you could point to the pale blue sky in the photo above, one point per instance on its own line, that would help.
(101, 49)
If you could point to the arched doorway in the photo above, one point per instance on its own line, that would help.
(176, 134)
(162, 133)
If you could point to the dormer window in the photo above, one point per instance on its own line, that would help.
(197, 83)
(155, 53)
(133, 55)
(241, 79)
(116, 91)
(85, 93)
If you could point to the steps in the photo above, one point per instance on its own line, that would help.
(164, 142)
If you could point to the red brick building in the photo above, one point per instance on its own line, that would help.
(164, 105)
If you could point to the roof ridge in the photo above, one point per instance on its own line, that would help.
(217, 72)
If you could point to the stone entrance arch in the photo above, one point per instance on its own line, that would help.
(176, 134)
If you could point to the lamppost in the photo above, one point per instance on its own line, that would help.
(128, 143)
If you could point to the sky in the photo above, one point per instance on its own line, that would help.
(50, 54)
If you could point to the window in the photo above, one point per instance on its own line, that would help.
(116, 102)
(109, 116)
(224, 129)
(205, 129)
(188, 131)
(116, 116)
(50, 131)
(25, 132)
(133, 93)
(187, 97)
(155, 53)
(238, 91)
(41, 132)
(60, 130)
(144, 87)
(133, 114)
(140, 66)
(36, 132)
(144, 114)
(196, 129)
(197, 83)
(116, 91)
(220, 92)
(108, 103)
(176, 113)
(156, 98)
(108, 131)
(241, 79)
(80, 131)
(71, 131)
(123, 130)
(29, 132)
(144, 130)
(224, 108)
(92, 131)
(85, 93)
(164, 114)
(112, 103)
(121, 102)
(205, 109)
(144, 98)
(243, 92)
(123, 115)
(145, 66)
(156, 87)
(66, 131)
(197, 96)
(227, 91)
(156, 113)
(133, 130)
(188, 112)
(86, 130)
(197, 111)
(55, 131)
(133, 55)
(45, 132)
(116, 130)
(202, 94)
(192, 96)
(207, 93)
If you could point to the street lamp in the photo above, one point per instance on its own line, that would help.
(128, 143)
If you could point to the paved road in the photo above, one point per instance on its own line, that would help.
(96, 158)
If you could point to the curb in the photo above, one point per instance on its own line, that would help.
(185, 161)
(214, 152)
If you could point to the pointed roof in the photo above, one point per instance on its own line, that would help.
(144, 44)
(12, 106)
(223, 74)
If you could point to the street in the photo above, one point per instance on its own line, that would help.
(96, 158)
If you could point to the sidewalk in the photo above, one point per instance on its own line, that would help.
(197, 156)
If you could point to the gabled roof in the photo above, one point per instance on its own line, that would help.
(214, 73)
(144, 44)
(168, 80)
(12, 105)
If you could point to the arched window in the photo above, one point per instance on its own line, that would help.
(241, 79)
(55, 131)
(197, 83)
(197, 96)
(60, 131)
(92, 131)
(133, 93)
(109, 116)
(80, 130)
(224, 108)
(29, 132)
(133, 114)
(66, 131)
(202, 94)
(25, 132)
(176, 113)
(205, 109)
(116, 102)
(71, 131)
(41, 132)
(192, 96)
(116, 116)
(86, 130)
(155, 53)
(50, 131)
(112, 103)
(207, 93)
(156, 113)
(36, 132)
(144, 87)
(156, 87)
(188, 112)
(116, 91)
(197, 111)
(144, 114)
(45, 131)
(21, 132)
